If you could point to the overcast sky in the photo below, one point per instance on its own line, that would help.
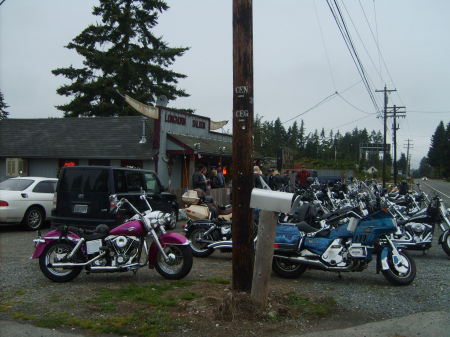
(300, 58)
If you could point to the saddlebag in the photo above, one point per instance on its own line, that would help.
(287, 237)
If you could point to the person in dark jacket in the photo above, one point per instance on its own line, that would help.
(214, 179)
(277, 181)
(199, 179)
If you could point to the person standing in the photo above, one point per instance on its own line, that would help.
(199, 179)
(214, 179)
(220, 176)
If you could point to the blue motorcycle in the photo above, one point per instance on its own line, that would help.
(347, 247)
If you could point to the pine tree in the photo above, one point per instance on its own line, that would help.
(3, 106)
(436, 153)
(120, 53)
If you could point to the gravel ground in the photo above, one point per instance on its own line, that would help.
(365, 292)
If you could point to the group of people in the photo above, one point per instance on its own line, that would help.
(273, 179)
(202, 180)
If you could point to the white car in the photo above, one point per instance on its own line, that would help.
(26, 200)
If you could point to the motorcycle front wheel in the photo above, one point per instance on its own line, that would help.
(56, 252)
(179, 263)
(287, 269)
(446, 242)
(402, 273)
(199, 248)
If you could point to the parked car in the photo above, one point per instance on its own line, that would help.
(84, 195)
(424, 178)
(26, 200)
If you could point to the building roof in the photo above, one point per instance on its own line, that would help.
(101, 137)
(207, 145)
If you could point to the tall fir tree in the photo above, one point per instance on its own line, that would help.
(437, 149)
(3, 107)
(120, 52)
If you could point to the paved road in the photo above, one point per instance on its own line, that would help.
(440, 187)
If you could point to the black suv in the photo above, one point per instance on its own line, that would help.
(83, 195)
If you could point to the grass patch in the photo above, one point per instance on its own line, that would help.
(218, 280)
(306, 306)
(189, 296)
(6, 306)
(20, 292)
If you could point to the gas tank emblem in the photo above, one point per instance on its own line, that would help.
(130, 229)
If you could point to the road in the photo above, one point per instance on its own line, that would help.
(439, 187)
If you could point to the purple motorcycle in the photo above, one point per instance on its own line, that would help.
(64, 252)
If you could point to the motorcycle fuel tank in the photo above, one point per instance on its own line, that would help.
(133, 227)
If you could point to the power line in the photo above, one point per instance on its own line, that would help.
(354, 106)
(340, 21)
(321, 102)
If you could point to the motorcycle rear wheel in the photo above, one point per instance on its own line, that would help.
(55, 252)
(287, 269)
(402, 275)
(179, 265)
(199, 249)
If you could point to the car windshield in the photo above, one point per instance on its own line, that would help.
(15, 184)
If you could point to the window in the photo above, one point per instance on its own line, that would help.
(15, 184)
(45, 187)
(151, 183)
(134, 181)
(85, 180)
(128, 181)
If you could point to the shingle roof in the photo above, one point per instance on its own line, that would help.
(102, 137)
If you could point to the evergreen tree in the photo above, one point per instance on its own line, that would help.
(438, 149)
(424, 168)
(402, 164)
(120, 53)
(3, 107)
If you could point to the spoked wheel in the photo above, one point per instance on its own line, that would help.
(56, 252)
(446, 242)
(287, 269)
(199, 247)
(402, 269)
(179, 263)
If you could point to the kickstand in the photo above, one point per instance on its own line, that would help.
(339, 275)
(424, 252)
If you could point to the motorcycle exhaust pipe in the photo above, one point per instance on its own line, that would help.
(124, 268)
(221, 244)
(62, 265)
(312, 262)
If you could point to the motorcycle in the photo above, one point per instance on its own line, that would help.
(348, 247)
(416, 232)
(64, 252)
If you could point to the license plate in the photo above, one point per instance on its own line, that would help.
(80, 209)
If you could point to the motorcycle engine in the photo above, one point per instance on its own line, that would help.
(123, 248)
(417, 228)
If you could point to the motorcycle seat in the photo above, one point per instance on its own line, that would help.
(304, 227)
(225, 211)
(87, 234)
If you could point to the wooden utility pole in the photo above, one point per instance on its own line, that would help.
(242, 173)
(386, 91)
(396, 114)
(408, 146)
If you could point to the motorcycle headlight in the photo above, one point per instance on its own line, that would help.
(160, 219)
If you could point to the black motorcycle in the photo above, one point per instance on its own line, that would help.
(416, 232)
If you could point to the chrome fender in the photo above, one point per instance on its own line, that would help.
(383, 257)
(48, 238)
(444, 236)
(167, 239)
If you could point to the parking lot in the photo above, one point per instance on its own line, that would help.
(365, 292)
